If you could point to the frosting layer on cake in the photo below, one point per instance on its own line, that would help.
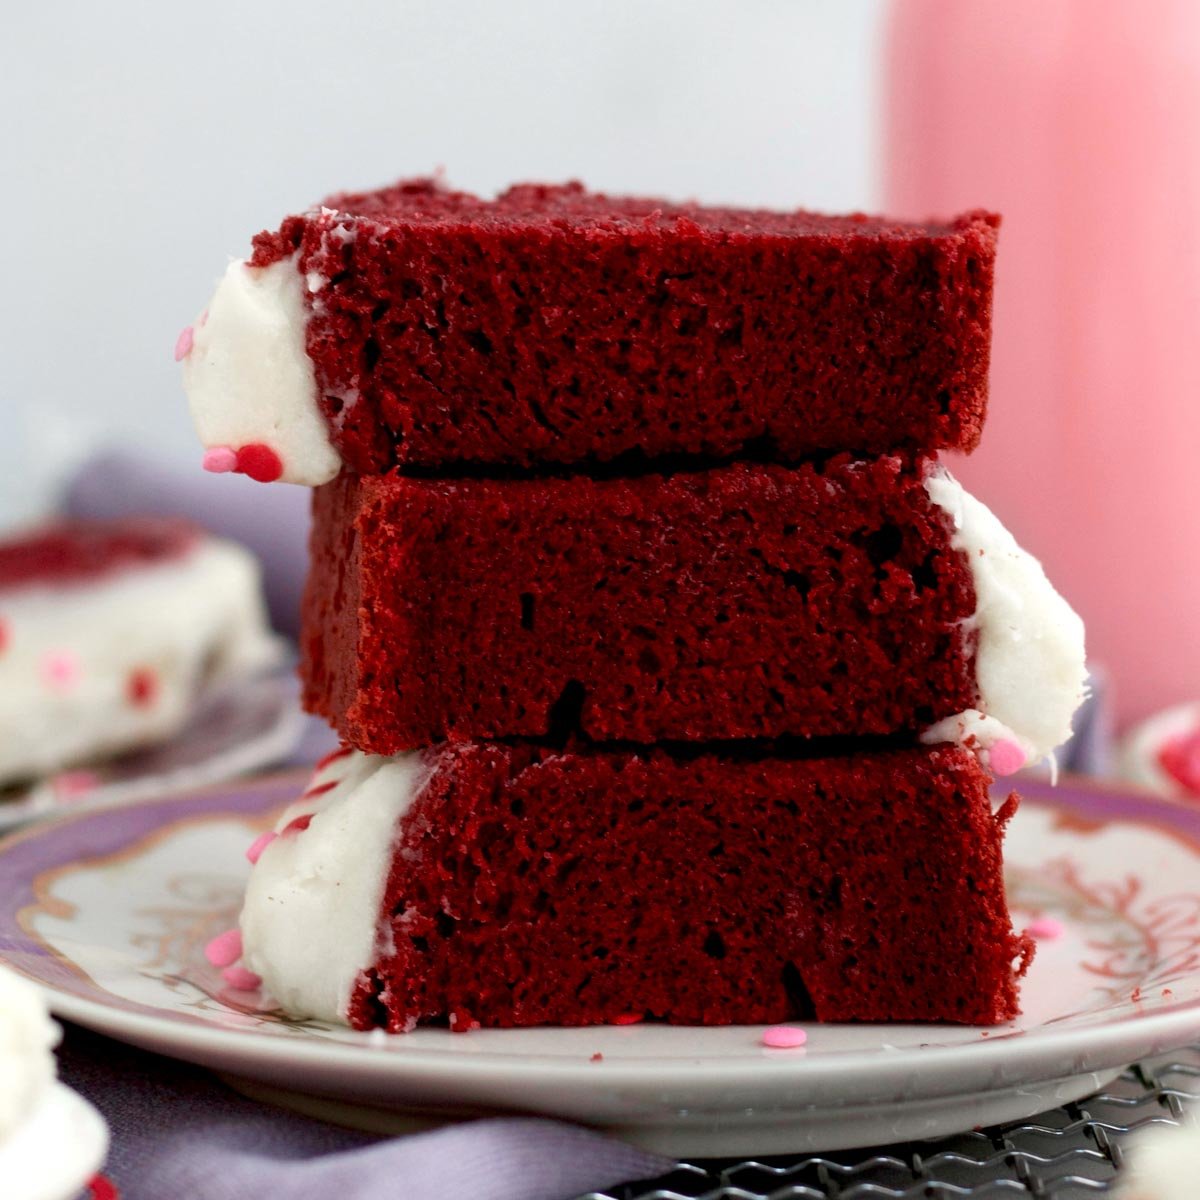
(316, 891)
(1029, 643)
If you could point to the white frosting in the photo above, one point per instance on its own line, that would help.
(27, 1041)
(1029, 658)
(311, 922)
(51, 1141)
(179, 623)
(1163, 1163)
(248, 376)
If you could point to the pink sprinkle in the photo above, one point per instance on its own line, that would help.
(784, 1037)
(225, 949)
(241, 979)
(259, 844)
(184, 343)
(1047, 928)
(220, 460)
(203, 319)
(69, 785)
(627, 1019)
(60, 668)
(1006, 757)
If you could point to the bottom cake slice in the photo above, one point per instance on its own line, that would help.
(502, 885)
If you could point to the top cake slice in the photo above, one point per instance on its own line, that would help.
(425, 327)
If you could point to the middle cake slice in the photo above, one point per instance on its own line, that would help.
(847, 597)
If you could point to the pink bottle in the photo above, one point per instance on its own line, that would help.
(1079, 121)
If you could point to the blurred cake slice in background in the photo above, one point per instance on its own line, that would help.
(108, 632)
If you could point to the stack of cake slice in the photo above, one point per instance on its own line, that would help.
(671, 668)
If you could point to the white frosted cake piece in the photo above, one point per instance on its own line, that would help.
(108, 631)
(51, 1140)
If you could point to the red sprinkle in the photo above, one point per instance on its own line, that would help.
(319, 790)
(1180, 758)
(142, 687)
(260, 462)
(4, 636)
(331, 757)
(103, 1188)
(299, 825)
(597, 1057)
(627, 1019)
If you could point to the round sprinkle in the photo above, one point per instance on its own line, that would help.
(1006, 757)
(1047, 928)
(627, 1019)
(225, 949)
(260, 843)
(784, 1037)
(260, 462)
(142, 687)
(60, 669)
(70, 785)
(184, 343)
(241, 979)
(220, 460)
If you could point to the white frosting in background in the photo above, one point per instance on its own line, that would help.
(51, 1141)
(248, 376)
(311, 921)
(1163, 1163)
(27, 1041)
(1029, 658)
(183, 622)
(1138, 758)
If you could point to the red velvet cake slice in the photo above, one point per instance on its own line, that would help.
(417, 325)
(847, 598)
(507, 885)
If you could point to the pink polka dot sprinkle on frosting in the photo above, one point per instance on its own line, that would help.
(70, 785)
(220, 460)
(60, 669)
(260, 843)
(241, 979)
(1006, 757)
(184, 343)
(784, 1037)
(225, 949)
(1046, 928)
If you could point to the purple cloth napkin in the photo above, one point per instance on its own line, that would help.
(178, 1132)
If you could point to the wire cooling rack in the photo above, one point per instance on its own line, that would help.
(1069, 1153)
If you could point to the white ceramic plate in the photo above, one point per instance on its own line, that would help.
(237, 727)
(108, 912)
